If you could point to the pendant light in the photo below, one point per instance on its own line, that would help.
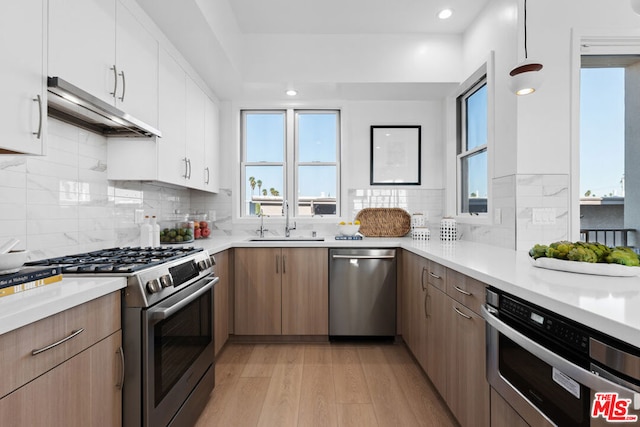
(526, 77)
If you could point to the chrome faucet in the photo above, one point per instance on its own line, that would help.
(261, 230)
(285, 212)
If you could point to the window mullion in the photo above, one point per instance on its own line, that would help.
(290, 164)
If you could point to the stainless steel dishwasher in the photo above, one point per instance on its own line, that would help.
(362, 293)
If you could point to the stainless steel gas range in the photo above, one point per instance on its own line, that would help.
(167, 322)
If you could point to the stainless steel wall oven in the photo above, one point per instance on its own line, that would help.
(554, 371)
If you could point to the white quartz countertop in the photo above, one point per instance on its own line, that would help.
(608, 304)
(26, 307)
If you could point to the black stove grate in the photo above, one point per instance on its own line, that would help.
(117, 260)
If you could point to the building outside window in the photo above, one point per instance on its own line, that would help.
(472, 149)
(290, 155)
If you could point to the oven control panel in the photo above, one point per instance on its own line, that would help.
(550, 325)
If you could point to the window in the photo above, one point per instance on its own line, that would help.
(472, 149)
(609, 149)
(290, 155)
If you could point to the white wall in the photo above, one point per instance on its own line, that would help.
(356, 149)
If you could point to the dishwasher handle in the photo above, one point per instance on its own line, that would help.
(363, 256)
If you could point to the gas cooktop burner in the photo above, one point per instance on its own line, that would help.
(117, 260)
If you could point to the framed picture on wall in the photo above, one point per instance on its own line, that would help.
(395, 155)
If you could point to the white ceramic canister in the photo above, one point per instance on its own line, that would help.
(417, 220)
(448, 229)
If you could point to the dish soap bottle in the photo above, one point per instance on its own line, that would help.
(146, 232)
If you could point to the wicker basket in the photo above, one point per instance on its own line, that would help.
(384, 222)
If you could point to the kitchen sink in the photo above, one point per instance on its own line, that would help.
(287, 239)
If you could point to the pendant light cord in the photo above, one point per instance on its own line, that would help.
(525, 30)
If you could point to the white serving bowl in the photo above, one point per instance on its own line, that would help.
(12, 261)
(348, 230)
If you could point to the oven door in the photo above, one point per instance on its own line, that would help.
(543, 387)
(179, 350)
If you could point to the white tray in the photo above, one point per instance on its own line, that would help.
(599, 269)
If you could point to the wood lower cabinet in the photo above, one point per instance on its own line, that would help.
(414, 306)
(467, 390)
(83, 391)
(222, 300)
(467, 387)
(281, 291)
(446, 335)
(502, 414)
(76, 383)
(305, 291)
(437, 339)
(258, 291)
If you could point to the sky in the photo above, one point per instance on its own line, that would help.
(601, 131)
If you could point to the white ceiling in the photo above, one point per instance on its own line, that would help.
(353, 16)
(214, 37)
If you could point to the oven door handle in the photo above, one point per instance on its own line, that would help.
(167, 312)
(577, 373)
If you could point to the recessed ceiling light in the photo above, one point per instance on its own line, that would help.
(445, 14)
(292, 92)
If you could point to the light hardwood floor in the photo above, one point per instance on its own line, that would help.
(333, 384)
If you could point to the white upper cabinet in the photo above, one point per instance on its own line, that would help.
(82, 36)
(23, 105)
(137, 63)
(186, 155)
(211, 146)
(195, 135)
(173, 165)
(99, 46)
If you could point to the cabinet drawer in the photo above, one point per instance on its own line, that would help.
(470, 292)
(99, 318)
(437, 275)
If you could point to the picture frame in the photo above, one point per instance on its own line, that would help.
(396, 155)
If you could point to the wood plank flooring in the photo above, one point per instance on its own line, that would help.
(326, 384)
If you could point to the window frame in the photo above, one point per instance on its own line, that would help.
(452, 177)
(291, 161)
(462, 152)
(298, 163)
(244, 163)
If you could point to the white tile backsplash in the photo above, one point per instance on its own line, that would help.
(62, 203)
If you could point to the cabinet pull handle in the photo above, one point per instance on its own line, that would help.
(38, 99)
(120, 384)
(208, 174)
(427, 298)
(57, 343)
(462, 291)
(435, 276)
(277, 264)
(422, 278)
(115, 81)
(124, 86)
(189, 163)
(186, 168)
(466, 316)
(284, 264)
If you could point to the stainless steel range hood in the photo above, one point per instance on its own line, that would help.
(73, 105)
